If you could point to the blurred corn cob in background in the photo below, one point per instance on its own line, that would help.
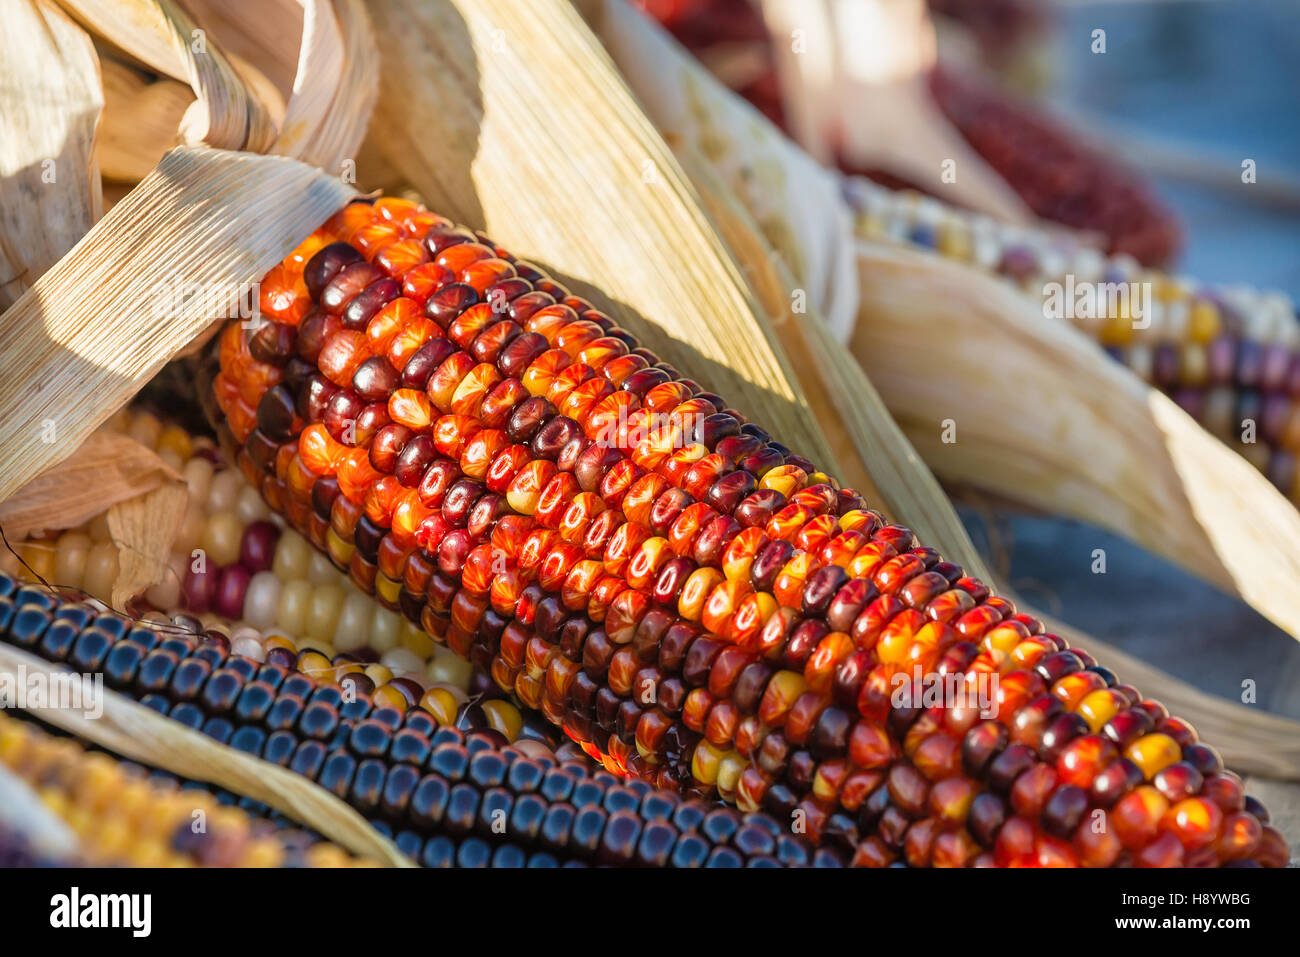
(688, 599)
(123, 816)
(1053, 169)
(1230, 357)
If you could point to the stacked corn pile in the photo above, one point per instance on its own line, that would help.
(122, 816)
(1229, 356)
(690, 601)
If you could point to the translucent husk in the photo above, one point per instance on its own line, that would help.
(234, 109)
(291, 77)
(104, 320)
(142, 117)
(50, 101)
(144, 497)
(142, 734)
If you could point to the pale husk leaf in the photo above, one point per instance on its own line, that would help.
(50, 103)
(1044, 417)
(322, 57)
(102, 322)
(108, 468)
(141, 734)
(143, 529)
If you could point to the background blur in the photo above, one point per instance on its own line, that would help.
(1219, 79)
(1204, 83)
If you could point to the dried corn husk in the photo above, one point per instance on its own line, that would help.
(143, 496)
(291, 77)
(322, 56)
(142, 117)
(1042, 416)
(478, 111)
(795, 202)
(102, 322)
(854, 84)
(141, 734)
(50, 103)
(235, 108)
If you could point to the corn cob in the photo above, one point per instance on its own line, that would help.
(269, 593)
(1230, 357)
(691, 602)
(123, 817)
(435, 790)
(17, 851)
(152, 658)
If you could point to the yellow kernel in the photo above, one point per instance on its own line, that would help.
(146, 429)
(504, 717)
(706, 763)
(440, 703)
(1152, 753)
(101, 571)
(1098, 707)
(177, 440)
(1204, 322)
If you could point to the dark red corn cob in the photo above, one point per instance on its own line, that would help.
(690, 601)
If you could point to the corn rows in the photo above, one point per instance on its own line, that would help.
(690, 601)
(486, 790)
(236, 573)
(123, 817)
(1229, 357)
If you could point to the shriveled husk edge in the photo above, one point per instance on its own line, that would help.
(141, 734)
(144, 497)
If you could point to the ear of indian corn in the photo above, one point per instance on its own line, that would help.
(122, 816)
(474, 785)
(1230, 357)
(689, 600)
